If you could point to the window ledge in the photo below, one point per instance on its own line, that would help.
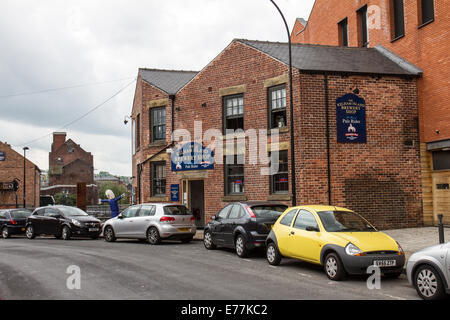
(424, 24)
(280, 130)
(279, 197)
(397, 38)
(234, 197)
(158, 199)
(157, 143)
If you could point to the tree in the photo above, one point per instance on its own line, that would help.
(118, 189)
(65, 199)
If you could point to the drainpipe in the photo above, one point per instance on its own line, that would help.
(139, 170)
(327, 133)
(172, 98)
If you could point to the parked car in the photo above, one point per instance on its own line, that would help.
(13, 221)
(242, 226)
(428, 270)
(46, 200)
(339, 239)
(62, 222)
(152, 222)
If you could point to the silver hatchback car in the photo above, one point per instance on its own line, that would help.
(152, 222)
(428, 270)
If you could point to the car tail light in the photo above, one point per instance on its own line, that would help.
(13, 221)
(250, 212)
(167, 219)
(192, 218)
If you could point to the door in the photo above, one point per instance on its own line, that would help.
(196, 201)
(36, 220)
(143, 220)
(230, 223)
(305, 244)
(283, 232)
(49, 223)
(218, 224)
(125, 227)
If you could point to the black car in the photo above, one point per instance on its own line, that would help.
(13, 221)
(242, 225)
(62, 222)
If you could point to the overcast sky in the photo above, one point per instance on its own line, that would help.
(88, 45)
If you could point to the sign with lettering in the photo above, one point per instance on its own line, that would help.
(351, 119)
(192, 156)
(7, 186)
(2, 156)
(174, 192)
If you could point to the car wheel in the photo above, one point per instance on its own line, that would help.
(29, 232)
(208, 241)
(153, 236)
(66, 234)
(5, 233)
(241, 248)
(109, 234)
(333, 267)
(273, 255)
(428, 283)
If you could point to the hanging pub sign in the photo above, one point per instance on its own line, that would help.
(2, 156)
(192, 156)
(351, 119)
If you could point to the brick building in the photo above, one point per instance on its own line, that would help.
(246, 87)
(11, 168)
(418, 31)
(69, 164)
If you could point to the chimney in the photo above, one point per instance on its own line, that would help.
(59, 138)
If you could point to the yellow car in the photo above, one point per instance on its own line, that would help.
(338, 239)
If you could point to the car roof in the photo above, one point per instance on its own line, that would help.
(318, 208)
(159, 204)
(259, 203)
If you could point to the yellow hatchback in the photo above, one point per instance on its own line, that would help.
(337, 238)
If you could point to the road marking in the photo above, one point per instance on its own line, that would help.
(247, 260)
(393, 297)
(304, 275)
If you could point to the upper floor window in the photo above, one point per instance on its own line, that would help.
(158, 124)
(277, 106)
(158, 178)
(233, 112)
(279, 180)
(138, 132)
(343, 33)
(426, 11)
(363, 30)
(397, 19)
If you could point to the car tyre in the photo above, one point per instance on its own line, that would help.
(66, 233)
(333, 267)
(208, 241)
(273, 255)
(109, 234)
(153, 236)
(5, 233)
(428, 283)
(29, 232)
(241, 247)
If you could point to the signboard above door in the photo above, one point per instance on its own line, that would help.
(192, 156)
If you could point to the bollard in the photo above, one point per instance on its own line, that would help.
(441, 229)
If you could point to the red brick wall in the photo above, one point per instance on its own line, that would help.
(426, 47)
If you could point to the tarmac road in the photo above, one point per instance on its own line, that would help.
(36, 269)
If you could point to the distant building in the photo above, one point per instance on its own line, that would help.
(11, 168)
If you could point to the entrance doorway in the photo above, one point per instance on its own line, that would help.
(194, 199)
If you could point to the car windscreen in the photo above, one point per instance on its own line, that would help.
(176, 211)
(268, 211)
(72, 212)
(20, 214)
(344, 221)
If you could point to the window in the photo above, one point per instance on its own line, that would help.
(224, 212)
(287, 219)
(277, 106)
(158, 179)
(234, 177)
(441, 160)
(235, 212)
(305, 219)
(426, 11)
(147, 211)
(131, 212)
(176, 210)
(363, 32)
(3, 215)
(138, 131)
(158, 124)
(279, 181)
(397, 19)
(343, 33)
(233, 112)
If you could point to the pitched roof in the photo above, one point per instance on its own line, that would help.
(169, 81)
(319, 58)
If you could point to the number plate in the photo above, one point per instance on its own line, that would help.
(23, 229)
(384, 263)
(93, 229)
(184, 229)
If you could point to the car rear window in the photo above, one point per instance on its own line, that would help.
(176, 211)
(22, 214)
(268, 211)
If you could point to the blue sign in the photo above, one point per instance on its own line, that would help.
(2, 156)
(192, 156)
(351, 119)
(174, 192)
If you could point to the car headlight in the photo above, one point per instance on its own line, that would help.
(400, 249)
(353, 250)
(76, 222)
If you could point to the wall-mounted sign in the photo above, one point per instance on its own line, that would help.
(2, 156)
(351, 119)
(174, 192)
(192, 156)
(6, 186)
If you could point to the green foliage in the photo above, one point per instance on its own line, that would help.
(65, 199)
(118, 189)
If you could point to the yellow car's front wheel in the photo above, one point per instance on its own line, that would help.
(334, 267)
(272, 254)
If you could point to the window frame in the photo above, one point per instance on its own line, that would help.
(397, 19)
(272, 177)
(226, 175)
(363, 28)
(225, 117)
(270, 108)
(293, 217)
(303, 211)
(440, 161)
(341, 24)
(420, 17)
(153, 125)
(154, 179)
(138, 132)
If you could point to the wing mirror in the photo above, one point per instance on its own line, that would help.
(313, 229)
(213, 218)
(120, 216)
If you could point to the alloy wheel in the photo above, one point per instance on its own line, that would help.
(5, 233)
(29, 232)
(427, 283)
(271, 254)
(207, 239)
(239, 246)
(331, 267)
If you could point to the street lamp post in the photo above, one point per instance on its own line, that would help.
(24, 175)
(291, 108)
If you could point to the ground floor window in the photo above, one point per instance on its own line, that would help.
(279, 180)
(158, 179)
(441, 160)
(234, 177)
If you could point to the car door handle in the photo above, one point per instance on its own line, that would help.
(292, 233)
